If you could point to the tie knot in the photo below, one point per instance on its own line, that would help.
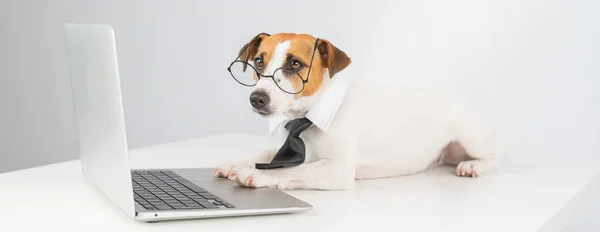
(297, 126)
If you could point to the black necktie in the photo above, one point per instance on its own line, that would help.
(293, 151)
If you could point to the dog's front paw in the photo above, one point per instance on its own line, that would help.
(253, 178)
(225, 170)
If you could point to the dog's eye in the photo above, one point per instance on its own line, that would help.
(258, 62)
(295, 65)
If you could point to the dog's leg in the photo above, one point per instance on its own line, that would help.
(323, 174)
(225, 170)
(334, 170)
(473, 138)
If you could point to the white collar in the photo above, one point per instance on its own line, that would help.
(325, 109)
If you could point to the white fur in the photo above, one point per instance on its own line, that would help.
(379, 131)
(276, 95)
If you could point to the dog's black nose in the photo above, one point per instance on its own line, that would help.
(259, 99)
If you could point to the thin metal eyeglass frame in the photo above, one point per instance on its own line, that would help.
(271, 76)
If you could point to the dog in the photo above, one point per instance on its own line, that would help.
(361, 130)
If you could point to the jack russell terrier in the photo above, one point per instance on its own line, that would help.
(357, 130)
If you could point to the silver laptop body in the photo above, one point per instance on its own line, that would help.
(146, 195)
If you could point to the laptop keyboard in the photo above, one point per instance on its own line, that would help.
(165, 190)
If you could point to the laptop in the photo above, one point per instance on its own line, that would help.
(145, 195)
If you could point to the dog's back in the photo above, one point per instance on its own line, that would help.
(402, 126)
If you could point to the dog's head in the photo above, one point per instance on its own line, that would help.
(285, 60)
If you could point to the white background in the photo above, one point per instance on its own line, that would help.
(531, 67)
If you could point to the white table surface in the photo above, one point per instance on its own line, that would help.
(523, 197)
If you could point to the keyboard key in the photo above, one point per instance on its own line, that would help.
(229, 206)
(193, 205)
(178, 206)
(209, 196)
(163, 207)
(194, 196)
(208, 205)
(143, 202)
(189, 203)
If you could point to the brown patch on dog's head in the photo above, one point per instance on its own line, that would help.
(335, 59)
(249, 50)
(327, 57)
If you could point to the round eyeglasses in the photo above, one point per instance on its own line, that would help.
(287, 80)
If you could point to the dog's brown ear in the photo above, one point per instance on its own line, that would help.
(251, 48)
(334, 58)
